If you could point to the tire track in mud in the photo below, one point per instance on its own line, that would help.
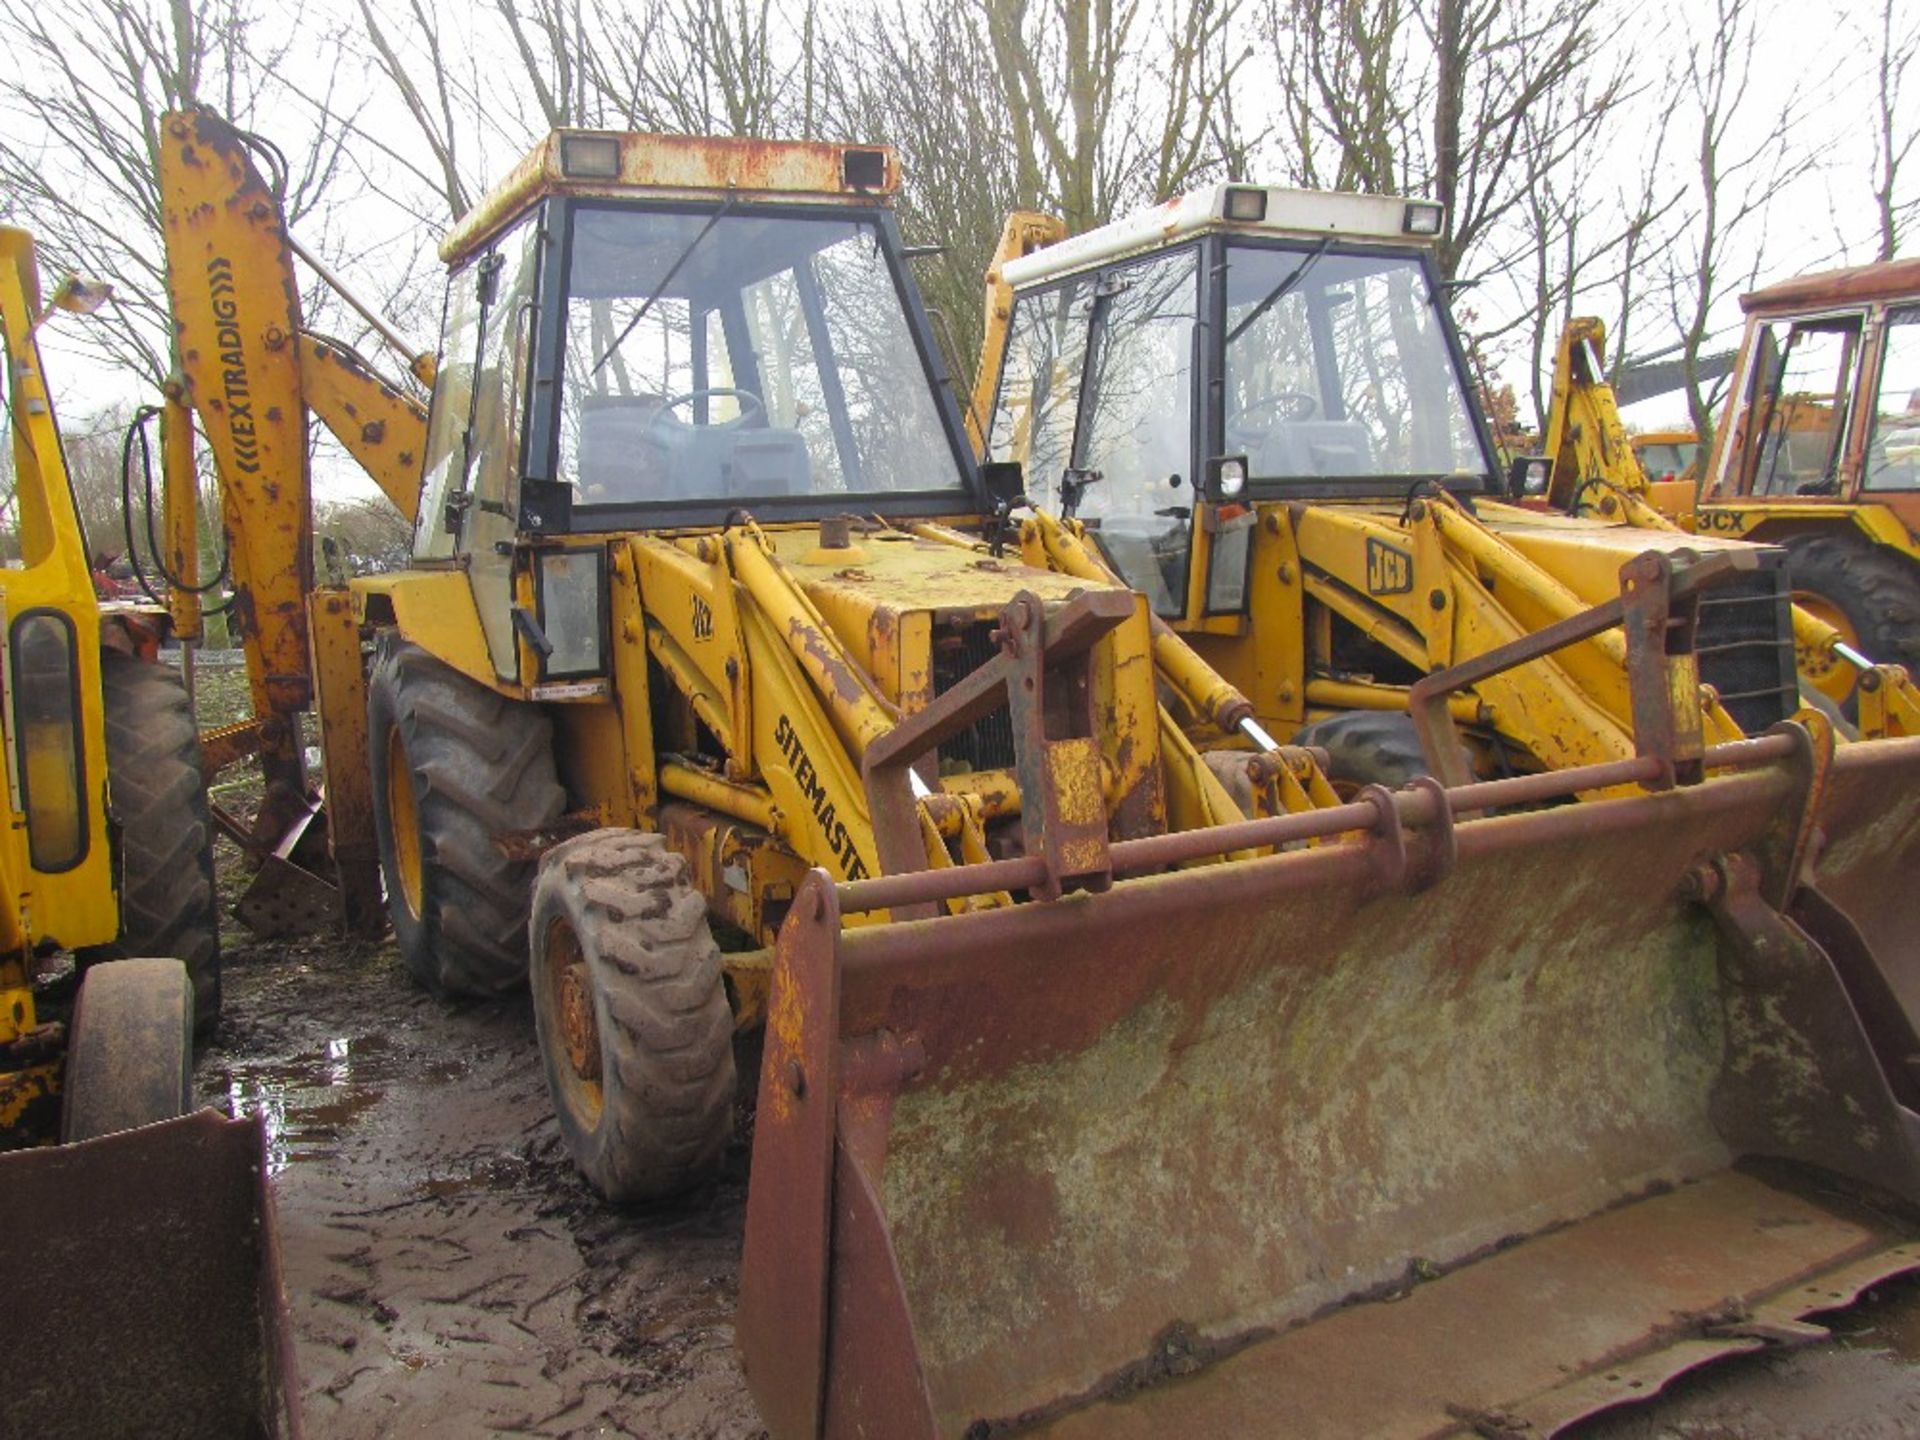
(448, 1271)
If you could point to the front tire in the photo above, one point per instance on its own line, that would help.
(456, 769)
(163, 834)
(1367, 747)
(635, 1030)
(130, 1056)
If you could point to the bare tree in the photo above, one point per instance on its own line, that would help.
(1741, 162)
(1093, 129)
(1441, 97)
(83, 101)
(1893, 134)
(1580, 242)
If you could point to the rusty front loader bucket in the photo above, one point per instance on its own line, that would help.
(146, 1297)
(1572, 1088)
(1866, 856)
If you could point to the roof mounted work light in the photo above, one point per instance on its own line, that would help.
(1423, 217)
(1245, 203)
(590, 157)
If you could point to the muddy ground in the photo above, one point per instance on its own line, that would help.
(449, 1272)
(451, 1275)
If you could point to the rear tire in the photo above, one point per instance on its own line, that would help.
(163, 834)
(635, 1029)
(1875, 590)
(456, 765)
(1367, 747)
(130, 1056)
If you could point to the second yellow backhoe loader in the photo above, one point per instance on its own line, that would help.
(1812, 454)
(1283, 454)
(719, 696)
(143, 1294)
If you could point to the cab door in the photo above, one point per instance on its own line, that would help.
(470, 493)
(489, 518)
(1132, 469)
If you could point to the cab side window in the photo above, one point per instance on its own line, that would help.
(1803, 375)
(1893, 452)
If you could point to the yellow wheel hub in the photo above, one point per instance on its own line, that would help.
(403, 812)
(570, 992)
(1832, 676)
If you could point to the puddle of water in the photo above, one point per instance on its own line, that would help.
(311, 1100)
(1887, 1318)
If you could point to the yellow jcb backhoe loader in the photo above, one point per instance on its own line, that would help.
(1255, 403)
(144, 1296)
(717, 692)
(1817, 451)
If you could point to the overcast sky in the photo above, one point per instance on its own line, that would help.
(1814, 52)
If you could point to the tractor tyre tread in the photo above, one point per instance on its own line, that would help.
(482, 765)
(130, 1059)
(662, 1017)
(1877, 588)
(163, 832)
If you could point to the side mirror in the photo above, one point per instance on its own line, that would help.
(1006, 482)
(79, 296)
(76, 297)
(1528, 476)
(1226, 479)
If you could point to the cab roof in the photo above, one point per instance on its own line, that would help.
(1892, 280)
(617, 163)
(1299, 214)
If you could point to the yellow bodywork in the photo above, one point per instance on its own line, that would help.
(73, 904)
(784, 660)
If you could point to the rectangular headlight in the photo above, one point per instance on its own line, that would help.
(1423, 217)
(571, 586)
(1245, 203)
(590, 157)
(46, 727)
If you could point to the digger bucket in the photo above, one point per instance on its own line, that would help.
(1867, 854)
(146, 1297)
(1571, 1087)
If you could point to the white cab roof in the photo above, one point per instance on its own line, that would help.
(1305, 214)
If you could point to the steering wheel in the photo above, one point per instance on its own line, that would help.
(751, 406)
(1256, 417)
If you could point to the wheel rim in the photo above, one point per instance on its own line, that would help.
(403, 812)
(569, 996)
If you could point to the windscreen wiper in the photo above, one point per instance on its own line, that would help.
(1280, 291)
(658, 290)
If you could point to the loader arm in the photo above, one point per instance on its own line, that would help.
(1025, 232)
(792, 712)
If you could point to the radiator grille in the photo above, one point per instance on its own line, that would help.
(959, 650)
(1744, 640)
